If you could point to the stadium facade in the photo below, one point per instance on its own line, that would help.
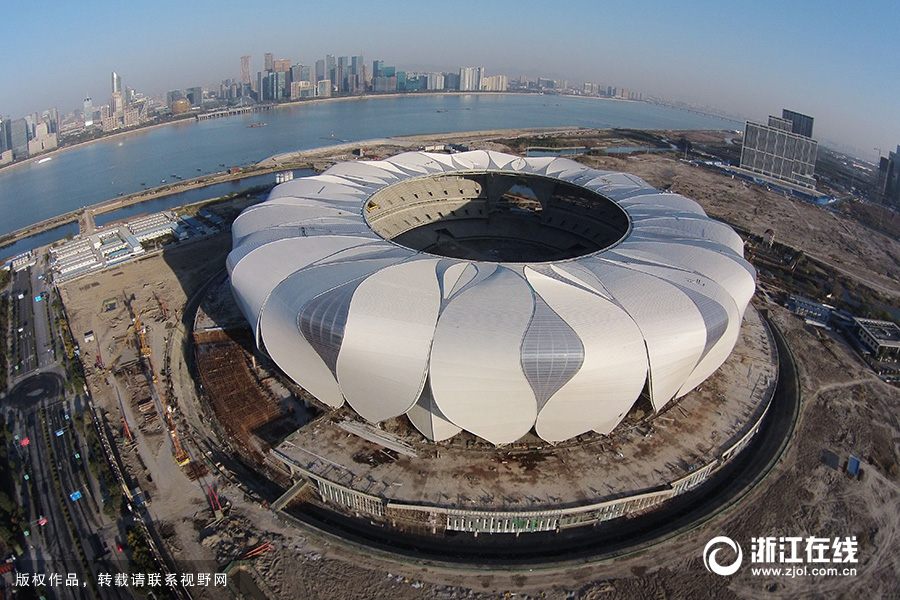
(490, 293)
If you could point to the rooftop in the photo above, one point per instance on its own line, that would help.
(885, 332)
(464, 473)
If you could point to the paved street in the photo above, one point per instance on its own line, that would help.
(55, 481)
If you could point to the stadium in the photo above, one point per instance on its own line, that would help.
(487, 293)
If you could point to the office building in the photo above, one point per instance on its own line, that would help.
(173, 96)
(269, 59)
(301, 89)
(42, 139)
(281, 65)
(245, 70)
(451, 81)
(330, 68)
(4, 134)
(800, 124)
(116, 83)
(18, 138)
(323, 88)
(377, 65)
(888, 179)
(320, 70)
(194, 96)
(341, 73)
(275, 86)
(384, 84)
(300, 73)
(774, 150)
(88, 112)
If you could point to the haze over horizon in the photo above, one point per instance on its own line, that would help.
(835, 62)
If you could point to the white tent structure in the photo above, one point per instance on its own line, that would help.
(650, 305)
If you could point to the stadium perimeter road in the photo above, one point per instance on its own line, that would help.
(580, 546)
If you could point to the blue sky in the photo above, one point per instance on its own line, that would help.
(837, 61)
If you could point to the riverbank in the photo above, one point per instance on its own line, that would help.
(293, 104)
(289, 160)
(104, 138)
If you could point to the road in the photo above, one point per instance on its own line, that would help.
(39, 410)
(24, 355)
(65, 534)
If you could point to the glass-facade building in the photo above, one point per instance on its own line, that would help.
(800, 124)
(774, 150)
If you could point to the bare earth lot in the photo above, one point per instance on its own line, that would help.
(865, 254)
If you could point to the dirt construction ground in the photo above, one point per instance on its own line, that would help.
(845, 410)
(846, 245)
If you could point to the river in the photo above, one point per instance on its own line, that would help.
(104, 169)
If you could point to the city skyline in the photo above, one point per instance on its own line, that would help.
(817, 72)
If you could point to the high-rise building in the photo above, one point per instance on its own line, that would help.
(320, 70)
(88, 112)
(377, 65)
(800, 124)
(173, 96)
(274, 86)
(301, 89)
(300, 73)
(18, 138)
(194, 96)
(281, 65)
(888, 182)
(116, 83)
(434, 82)
(494, 83)
(384, 84)
(323, 88)
(4, 134)
(117, 102)
(343, 71)
(245, 70)
(774, 150)
(451, 81)
(269, 61)
(331, 68)
(470, 78)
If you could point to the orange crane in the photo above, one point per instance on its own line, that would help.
(142, 336)
(181, 457)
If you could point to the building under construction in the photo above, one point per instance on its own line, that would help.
(241, 404)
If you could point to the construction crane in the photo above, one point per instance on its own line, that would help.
(142, 336)
(163, 307)
(139, 329)
(125, 426)
(181, 456)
